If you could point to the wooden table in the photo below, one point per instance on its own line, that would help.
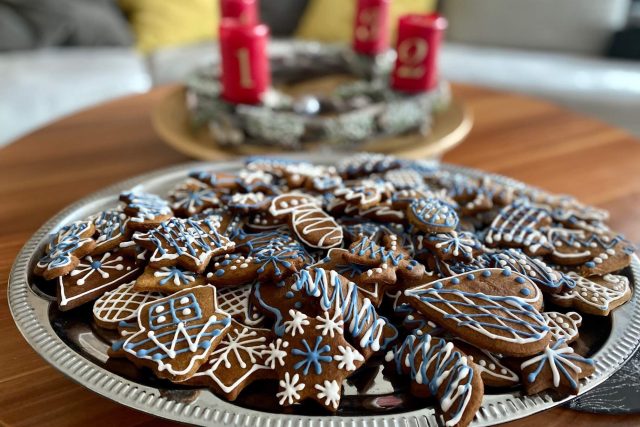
(40, 174)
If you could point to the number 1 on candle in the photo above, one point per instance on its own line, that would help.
(246, 82)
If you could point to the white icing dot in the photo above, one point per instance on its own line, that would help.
(162, 319)
(186, 312)
(184, 300)
(159, 309)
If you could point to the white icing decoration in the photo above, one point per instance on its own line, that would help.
(332, 325)
(348, 355)
(330, 392)
(290, 389)
(297, 323)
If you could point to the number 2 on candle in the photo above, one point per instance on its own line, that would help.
(244, 64)
(411, 54)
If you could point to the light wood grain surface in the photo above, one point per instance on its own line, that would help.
(42, 173)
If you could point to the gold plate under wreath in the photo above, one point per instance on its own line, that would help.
(172, 122)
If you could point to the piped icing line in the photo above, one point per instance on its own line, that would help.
(561, 359)
(64, 244)
(518, 322)
(122, 304)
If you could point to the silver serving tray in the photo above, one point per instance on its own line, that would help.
(79, 350)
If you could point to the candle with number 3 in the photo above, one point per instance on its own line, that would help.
(245, 64)
(371, 29)
(419, 38)
(245, 11)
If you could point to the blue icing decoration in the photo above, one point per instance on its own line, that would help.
(174, 274)
(168, 309)
(590, 264)
(362, 318)
(437, 285)
(312, 356)
(435, 213)
(449, 367)
(470, 276)
(486, 273)
(562, 358)
(455, 281)
(366, 245)
(110, 224)
(526, 292)
(521, 280)
(63, 244)
(489, 312)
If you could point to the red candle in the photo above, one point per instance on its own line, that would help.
(245, 64)
(245, 11)
(419, 38)
(371, 29)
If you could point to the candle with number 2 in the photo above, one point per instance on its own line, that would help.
(371, 28)
(417, 46)
(245, 64)
(245, 11)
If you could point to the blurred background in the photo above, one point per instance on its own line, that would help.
(59, 56)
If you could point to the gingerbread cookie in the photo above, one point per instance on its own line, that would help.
(185, 242)
(563, 326)
(557, 367)
(120, 305)
(176, 334)
(193, 197)
(520, 225)
(462, 246)
(493, 371)
(66, 247)
(548, 279)
(493, 309)
(167, 280)
(437, 368)
(237, 361)
(595, 295)
(364, 164)
(316, 360)
(110, 230)
(432, 216)
(313, 227)
(595, 254)
(145, 210)
(93, 276)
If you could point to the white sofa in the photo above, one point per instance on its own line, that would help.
(546, 48)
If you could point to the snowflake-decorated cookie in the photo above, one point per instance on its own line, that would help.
(314, 360)
(193, 197)
(93, 276)
(237, 361)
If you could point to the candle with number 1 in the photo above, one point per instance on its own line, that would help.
(417, 47)
(245, 11)
(245, 64)
(371, 28)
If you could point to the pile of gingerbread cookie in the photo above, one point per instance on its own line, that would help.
(300, 274)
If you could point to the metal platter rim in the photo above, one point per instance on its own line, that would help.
(29, 312)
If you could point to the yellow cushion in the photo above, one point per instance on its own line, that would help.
(332, 20)
(159, 23)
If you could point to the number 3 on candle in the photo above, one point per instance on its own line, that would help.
(246, 82)
(411, 54)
